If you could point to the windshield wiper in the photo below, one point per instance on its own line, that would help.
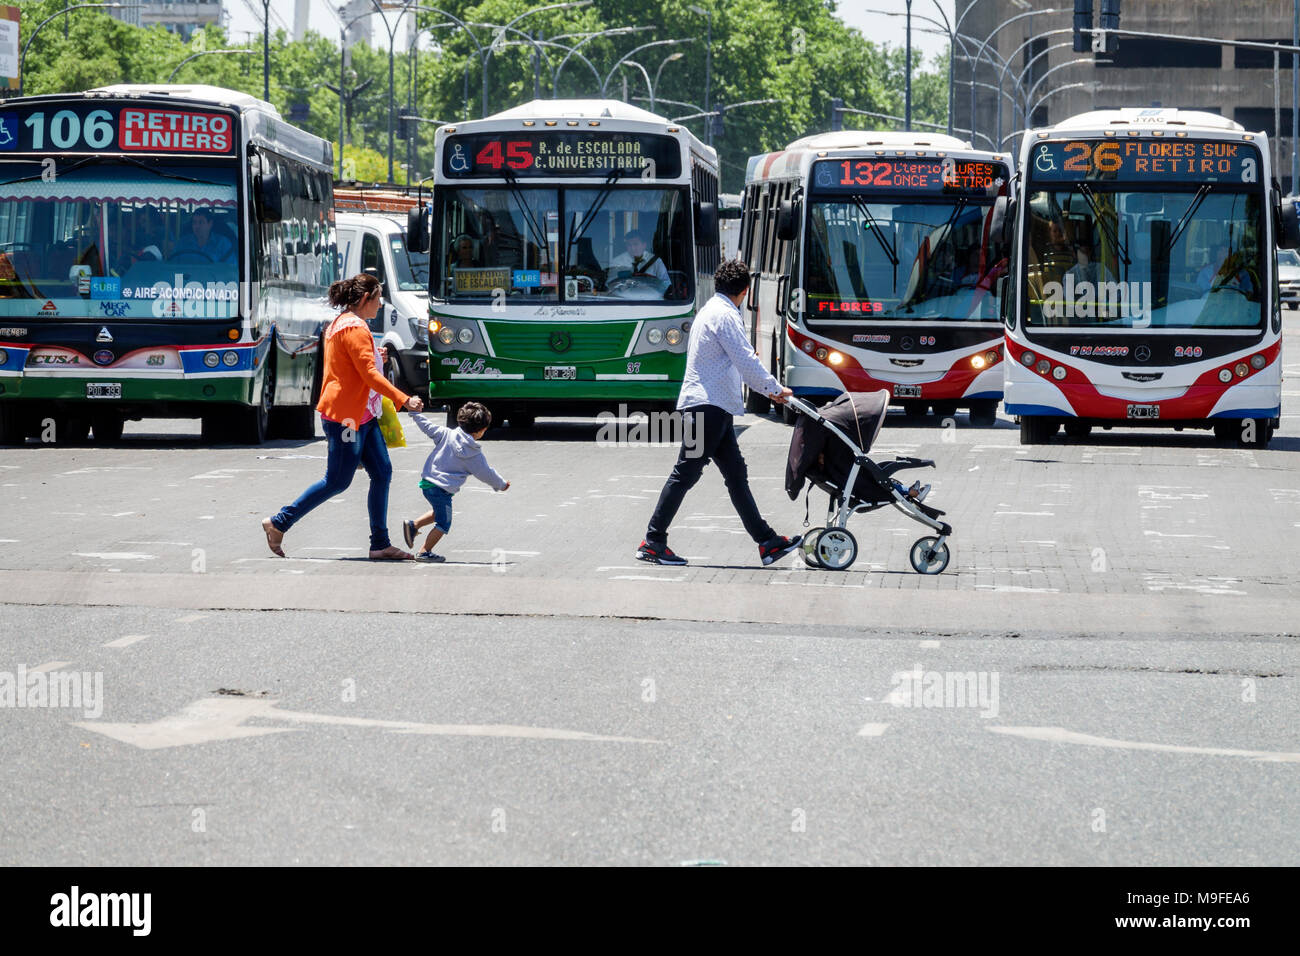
(1121, 247)
(874, 226)
(1186, 220)
(535, 229)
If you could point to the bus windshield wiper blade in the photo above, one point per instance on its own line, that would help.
(874, 225)
(580, 230)
(535, 228)
(1111, 233)
(1186, 219)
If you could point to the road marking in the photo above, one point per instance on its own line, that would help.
(645, 577)
(928, 644)
(1027, 514)
(115, 555)
(222, 718)
(872, 730)
(46, 668)
(190, 618)
(127, 641)
(1059, 735)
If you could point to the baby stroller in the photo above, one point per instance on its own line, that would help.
(829, 449)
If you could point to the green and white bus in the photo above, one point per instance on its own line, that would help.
(572, 242)
(165, 251)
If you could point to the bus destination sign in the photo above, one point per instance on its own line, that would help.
(577, 152)
(938, 175)
(98, 127)
(1145, 159)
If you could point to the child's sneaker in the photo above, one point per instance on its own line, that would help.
(916, 492)
(429, 557)
(408, 533)
(778, 548)
(654, 555)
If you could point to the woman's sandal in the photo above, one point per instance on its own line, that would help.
(273, 542)
(391, 553)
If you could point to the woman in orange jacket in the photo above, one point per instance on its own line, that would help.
(349, 407)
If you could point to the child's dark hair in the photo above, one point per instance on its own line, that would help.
(473, 417)
(348, 293)
(731, 277)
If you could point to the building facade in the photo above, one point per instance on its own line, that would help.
(1040, 74)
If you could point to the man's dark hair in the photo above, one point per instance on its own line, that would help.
(473, 417)
(731, 277)
(633, 234)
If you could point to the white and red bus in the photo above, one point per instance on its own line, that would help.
(875, 268)
(1145, 277)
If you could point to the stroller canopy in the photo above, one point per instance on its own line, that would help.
(859, 415)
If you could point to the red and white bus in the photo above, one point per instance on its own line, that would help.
(1145, 277)
(875, 268)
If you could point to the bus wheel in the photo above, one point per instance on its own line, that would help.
(393, 372)
(452, 409)
(108, 428)
(1036, 430)
(944, 409)
(13, 428)
(1077, 430)
(984, 413)
(252, 425)
(1255, 432)
(756, 403)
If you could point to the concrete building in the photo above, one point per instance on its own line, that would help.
(179, 16)
(1036, 48)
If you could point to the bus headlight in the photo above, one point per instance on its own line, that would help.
(231, 359)
(1058, 373)
(654, 336)
(1043, 366)
(1242, 369)
(1225, 376)
(835, 358)
(212, 360)
(4, 356)
(446, 336)
(1257, 362)
(978, 361)
(466, 336)
(673, 337)
(1027, 359)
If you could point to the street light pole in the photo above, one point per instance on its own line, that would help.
(570, 5)
(907, 95)
(573, 51)
(677, 56)
(194, 56)
(708, 64)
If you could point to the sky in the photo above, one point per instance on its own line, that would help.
(887, 29)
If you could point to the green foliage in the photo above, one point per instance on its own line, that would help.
(793, 51)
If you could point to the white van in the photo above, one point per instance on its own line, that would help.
(375, 242)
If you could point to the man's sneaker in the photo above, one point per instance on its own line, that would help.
(408, 533)
(430, 557)
(657, 555)
(778, 548)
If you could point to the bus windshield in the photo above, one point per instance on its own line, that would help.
(113, 238)
(1097, 256)
(900, 260)
(589, 245)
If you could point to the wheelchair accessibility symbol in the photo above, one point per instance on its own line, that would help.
(8, 131)
(458, 162)
(1044, 162)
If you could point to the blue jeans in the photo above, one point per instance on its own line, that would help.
(440, 502)
(366, 446)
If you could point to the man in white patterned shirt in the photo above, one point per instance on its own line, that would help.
(718, 358)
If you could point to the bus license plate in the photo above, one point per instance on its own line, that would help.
(1144, 411)
(563, 373)
(103, 389)
(907, 391)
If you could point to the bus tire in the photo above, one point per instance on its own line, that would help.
(393, 372)
(1036, 429)
(756, 403)
(944, 409)
(252, 425)
(107, 428)
(13, 427)
(984, 413)
(453, 408)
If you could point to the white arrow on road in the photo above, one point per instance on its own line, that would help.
(222, 718)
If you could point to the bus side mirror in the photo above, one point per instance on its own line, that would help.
(706, 224)
(417, 233)
(1001, 221)
(269, 205)
(787, 220)
(1008, 313)
(1288, 236)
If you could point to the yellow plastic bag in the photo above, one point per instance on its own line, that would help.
(390, 426)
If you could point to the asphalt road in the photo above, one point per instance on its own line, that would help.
(1123, 612)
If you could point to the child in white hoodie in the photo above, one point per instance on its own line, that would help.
(456, 455)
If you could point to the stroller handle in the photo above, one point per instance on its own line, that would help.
(806, 408)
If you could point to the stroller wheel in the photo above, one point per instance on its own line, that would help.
(836, 549)
(929, 556)
(808, 549)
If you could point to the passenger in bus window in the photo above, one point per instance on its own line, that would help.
(463, 253)
(637, 260)
(202, 242)
(1225, 270)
